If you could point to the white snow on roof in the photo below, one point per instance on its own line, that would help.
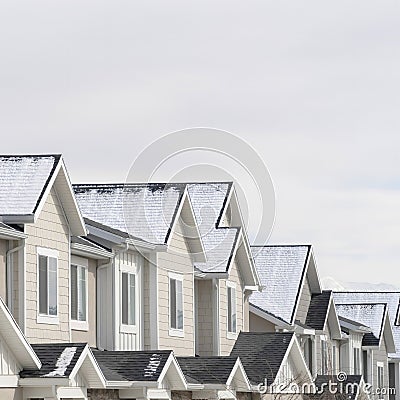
(370, 315)
(22, 179)
(392, 300)
(144, 211)
(152, 366)
(280, 270)
(63, 362)
(207, 201)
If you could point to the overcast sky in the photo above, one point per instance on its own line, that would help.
(314, 86)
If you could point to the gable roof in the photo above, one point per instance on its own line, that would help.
(262, 354)
(371, 315)
(15, 339)
(282, 270)
(207, 370)
(144, 210)
(347, 325)
(25, 182)
(392, 299)
(146, 366)
(58, 360)
(318, 310)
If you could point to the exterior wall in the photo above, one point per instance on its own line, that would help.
(227, 341)
(50, 231)
(205, 317)
(246, 314)
(304, 303)
(146, 305)
(177, 260)
(89, 336)
(102, 394)
(10, 394)
(3, 263)
(258, 324)
(380, 356)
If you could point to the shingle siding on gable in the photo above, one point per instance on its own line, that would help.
(50, 231)
(226, 344)
(304, 303)
(176, 260)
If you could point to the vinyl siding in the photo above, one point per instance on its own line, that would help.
(50, 231)
(146, 305)
(90, 335)
(259, 324)
(304, 303)
(205, 331)
(380, 355)
(177, 259)
(226, 343)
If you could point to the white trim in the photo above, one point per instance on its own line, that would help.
(76, 324)
(9, 381)
(47, 318)
(231, 334)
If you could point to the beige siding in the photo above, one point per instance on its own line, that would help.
(226, 343)
(177, 259)
(205, 317)
(380, 355)
(50, 231)
(89, 336)
(258, 324)
(304, 303)
(146, 305)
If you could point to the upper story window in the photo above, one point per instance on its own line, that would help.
(47, 285)
(128, 295)
(334, 360)
(380, 374)
(309, 354)
(176, 303)
(357, 361)
(231, 298)
(79, 292)
(324, 356)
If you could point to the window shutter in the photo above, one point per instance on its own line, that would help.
(82, 293)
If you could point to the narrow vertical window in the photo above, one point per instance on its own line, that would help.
(231, 294)
(380, 377)
(357, 369)
(176, 303)
(334, 367)
(128, 295)
(324, 351)
(78, 293)
(47, 283)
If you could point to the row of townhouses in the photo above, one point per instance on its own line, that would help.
(153, 291)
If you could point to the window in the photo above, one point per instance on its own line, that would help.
(308, 354)
(334, 362)
(128, 291)
(380, 376)
(231, 293)
(78, 292)
(356, 361)
(324, 351)
(47, 283)
(365, 366)
(176, 302)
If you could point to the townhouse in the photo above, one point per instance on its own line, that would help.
(152, 291)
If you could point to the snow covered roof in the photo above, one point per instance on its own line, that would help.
(208, 201)
(281, 270)
(371, 315)
(23, 180)
(392, 299)
(144, 211)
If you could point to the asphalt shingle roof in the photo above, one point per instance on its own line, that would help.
(132, 365)
(392, 299)
(318, 309)
(281, 270)
(58, 359)
(261, 354)
(207, 370)
(371, 315)
(23, 180)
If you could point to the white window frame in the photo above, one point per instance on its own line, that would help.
(358, 370)
(175, 331)
(126, 328)
(231, 334)
(77, 324)
(324, 355)
(46, 318)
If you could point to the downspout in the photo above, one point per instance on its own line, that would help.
(10, 273)
(115, 276)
